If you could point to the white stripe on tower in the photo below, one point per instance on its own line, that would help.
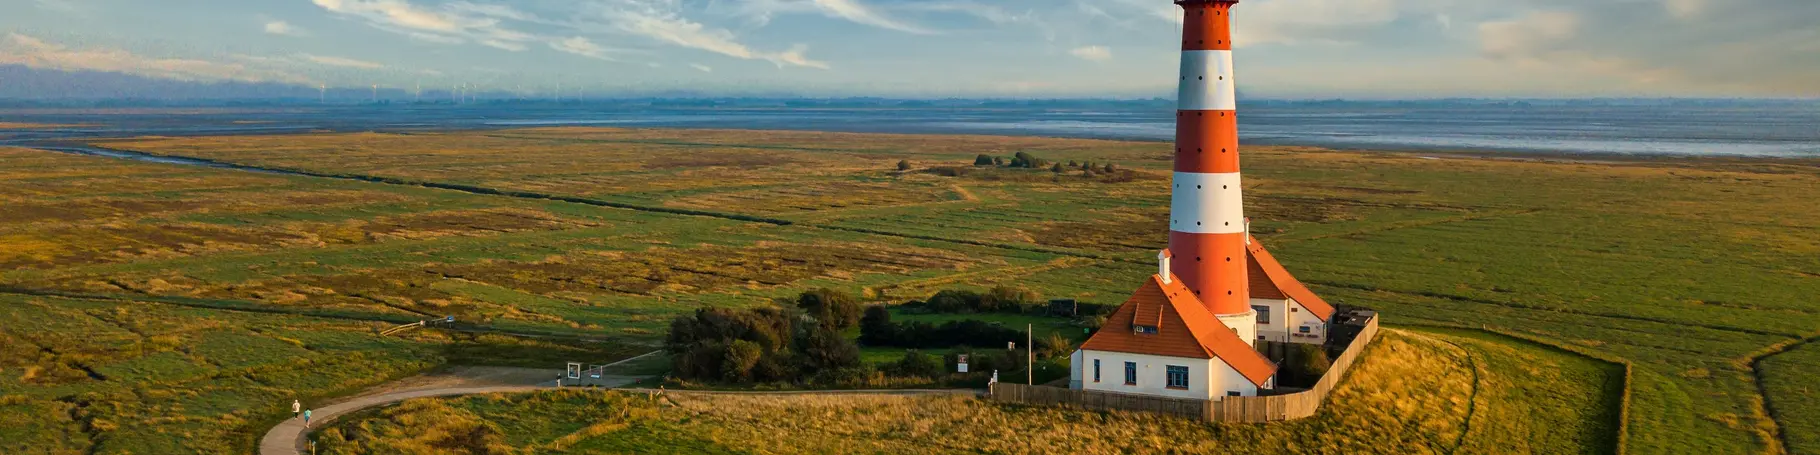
(1206, 82)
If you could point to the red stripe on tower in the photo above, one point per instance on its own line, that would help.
(1207, 217)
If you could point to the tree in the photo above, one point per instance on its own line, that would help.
(736, 364)
(983, 160)
(833, 309)
(824, 349)
(903, 165)
(1007, 299)
(875, 328)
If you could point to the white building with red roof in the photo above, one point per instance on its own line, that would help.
(1163, 341)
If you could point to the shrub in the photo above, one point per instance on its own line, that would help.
(917, 334)
(755, 345)
(903, 165)
(740, 357)
(825, 349)
(833, 309)
(953, 301)
(984, 160)
(949, 171)
(1054, 345)
(875, 328)
(1028, 161)
(1057, 168)
(918, 364)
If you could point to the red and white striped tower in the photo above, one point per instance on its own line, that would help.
(1206, 213)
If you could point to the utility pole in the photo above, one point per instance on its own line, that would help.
(1030, 355)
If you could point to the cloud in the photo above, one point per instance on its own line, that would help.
(1529, 36)
(283, 28)
(451, 24)
(852, 10)
(61, 6)
(648, 20)
(1685, 9)
(794, 56)
(32, 52)
(498, 26)
(760, 12)
(341, 62)
(701, 67)
(581, 46)
(1093, 53)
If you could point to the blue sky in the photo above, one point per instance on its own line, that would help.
(1288, 48)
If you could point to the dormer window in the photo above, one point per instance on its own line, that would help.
(1143, 328)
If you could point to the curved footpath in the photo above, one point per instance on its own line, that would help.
(288, 437)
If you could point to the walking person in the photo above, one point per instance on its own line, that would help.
(306, 418)
(296, 408)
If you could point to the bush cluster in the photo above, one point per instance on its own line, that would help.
(877, 329)
(766, 344)
(1000, 299)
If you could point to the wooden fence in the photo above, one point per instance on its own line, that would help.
(1257, 409)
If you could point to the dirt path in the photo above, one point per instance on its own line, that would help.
(288, 437)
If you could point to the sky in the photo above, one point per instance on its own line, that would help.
(1356, 49)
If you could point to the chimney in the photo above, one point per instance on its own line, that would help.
(1206, 214)
(1162, 265)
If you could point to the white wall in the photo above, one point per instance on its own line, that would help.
(1278, 328)
(1245, 324)
(1285, 325)
(1074, 370)
(1152, 375)
(1317, 329)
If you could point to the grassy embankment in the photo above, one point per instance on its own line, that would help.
(1416, 392)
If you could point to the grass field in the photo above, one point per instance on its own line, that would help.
(1690, 269)
(1792, 392)
(1416, 392)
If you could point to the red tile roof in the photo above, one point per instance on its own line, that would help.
(1261, 287)
(1284, 283)
(1184, 329)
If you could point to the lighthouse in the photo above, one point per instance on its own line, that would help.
(1207, 226)
(1192, 330)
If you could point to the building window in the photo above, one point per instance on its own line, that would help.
(1304, 329)
(1146, 329)
(1130, 373)
(1294, 310)
(1263, 313)
(1232, 393)
(1096, 370)
(1178, 377)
